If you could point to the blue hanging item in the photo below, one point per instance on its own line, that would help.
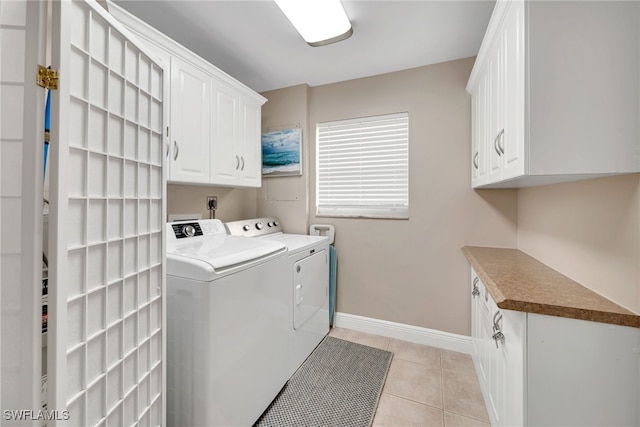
(47, 130)
(333, 270)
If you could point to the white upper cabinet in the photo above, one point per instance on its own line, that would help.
(511, 140)
(480, 119)
(225, 157)
(214, 120)
(236, 157)
(190, 123)
(495, 117)
(250, 130)
(555, 93)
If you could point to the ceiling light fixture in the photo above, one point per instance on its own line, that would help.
(319, 22)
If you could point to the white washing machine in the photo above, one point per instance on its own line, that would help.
(227, 325)
(308, 282)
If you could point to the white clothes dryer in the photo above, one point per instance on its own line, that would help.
(308, 282)
(227, 325)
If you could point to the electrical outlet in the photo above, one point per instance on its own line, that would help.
(212, 203)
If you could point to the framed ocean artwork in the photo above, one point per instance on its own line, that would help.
(282, 153)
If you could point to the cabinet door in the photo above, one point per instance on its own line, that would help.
(505, 373)
(496, 371)
(512, 355)
(475, 310)
(494, 119)
(484, 330)
(236, 151)
(505, 73)
(499, 362)
(249, 145)
(479, 137)
(190, 123)
(225, 160)
(512, 140)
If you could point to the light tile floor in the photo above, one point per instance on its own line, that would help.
(425, 386)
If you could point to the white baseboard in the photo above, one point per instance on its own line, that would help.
(401, 331)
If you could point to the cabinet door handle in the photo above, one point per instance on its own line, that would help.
(497, 317)
(177, 150)
(475, 291)
(242, 167)
(475, 160)
(498, 336)
(501, 137)
(497, 329)
(237, 162)
(495, 146)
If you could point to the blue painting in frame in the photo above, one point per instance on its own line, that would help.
(282, 153)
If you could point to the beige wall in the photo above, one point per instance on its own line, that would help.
(287, 198)
(589, 231)
(407, 271)
(412, 271)
(233, 203)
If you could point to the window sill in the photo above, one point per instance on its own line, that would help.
(364, 214)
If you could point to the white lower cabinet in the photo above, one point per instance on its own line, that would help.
(538, 370)
(498, 361)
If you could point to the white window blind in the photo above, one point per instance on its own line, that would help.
(363, 167)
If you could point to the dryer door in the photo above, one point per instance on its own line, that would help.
(310, 287)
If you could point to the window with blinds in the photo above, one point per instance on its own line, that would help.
(363, 167)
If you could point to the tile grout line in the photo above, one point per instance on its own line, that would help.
(387, 347)
(471, 417)
(412, 400)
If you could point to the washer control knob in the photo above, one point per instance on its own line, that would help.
(270, 224)
(276, 223)
(246, 227)
(189, 230)
(259, 226)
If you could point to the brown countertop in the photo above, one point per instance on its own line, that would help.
(519, 282)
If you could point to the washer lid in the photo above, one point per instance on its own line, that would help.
(206, 257)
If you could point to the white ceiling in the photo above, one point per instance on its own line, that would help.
(254, 42)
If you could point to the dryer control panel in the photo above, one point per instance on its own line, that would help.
(255, 227)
